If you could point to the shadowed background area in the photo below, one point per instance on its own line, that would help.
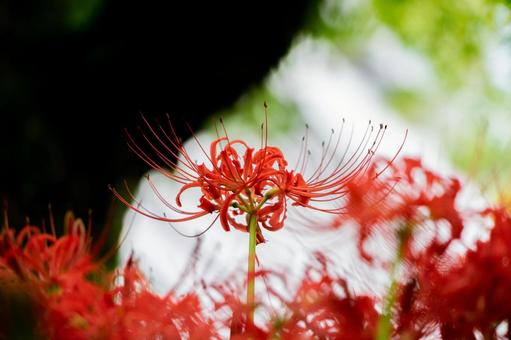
(74, 73)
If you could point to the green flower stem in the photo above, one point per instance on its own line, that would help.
(251, 267)
(384, 324)
(384, 330)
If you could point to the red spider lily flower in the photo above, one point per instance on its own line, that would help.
(55, 272)
(322, 307)
(72, 298)
(46, 259)
(319, 310)
(237, 181)
(77, 308)
(249, 189)
(141, 314)
(231, 311)
(400, 200)
(86, 310)
(470, 293)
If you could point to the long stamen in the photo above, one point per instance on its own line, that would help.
(52, 222)
(395, 155)
(305, 147)
(183, 178)
(198, 142)
(174, 142)
(333, 153)
(340, 172)
(300, 153)
(324, 153)
(194, 235)
(166, 160)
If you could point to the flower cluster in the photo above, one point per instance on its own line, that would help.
(439, 292)
(71, 296)
(435, 292)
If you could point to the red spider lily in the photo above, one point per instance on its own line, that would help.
(77, 308)
(472, 293)
(54, 270)
(85, 310)
(140, 314)
(318, 311)
(46, 259)
(237, 181)
(322, 307)
(398, 205)
(249, 188)
(72, 298)
(231, 312)
(399, 201)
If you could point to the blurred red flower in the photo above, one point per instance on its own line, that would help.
(396, 198)
(471, 292)
(324, 308)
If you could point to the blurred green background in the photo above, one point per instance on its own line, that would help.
(462, 98)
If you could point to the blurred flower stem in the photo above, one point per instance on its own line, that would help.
(384, 330)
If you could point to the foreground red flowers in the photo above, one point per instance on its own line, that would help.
(73, 297)
(461, 295)
(324, 308)
(439, 287)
